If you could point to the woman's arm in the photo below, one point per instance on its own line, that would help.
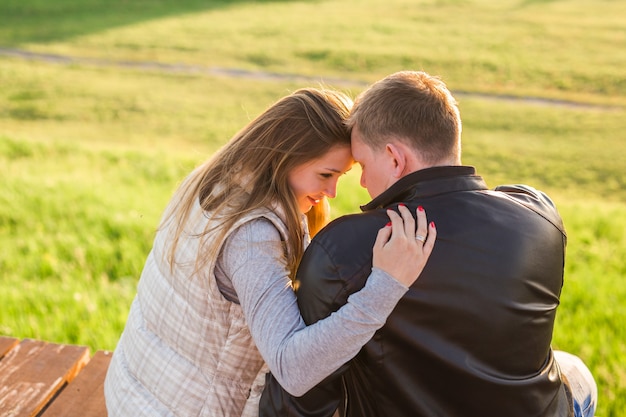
(299, 356)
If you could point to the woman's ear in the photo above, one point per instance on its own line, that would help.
(398, 159)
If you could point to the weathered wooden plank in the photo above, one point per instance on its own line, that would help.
(84, 396)
(33, 371)
(6, 344)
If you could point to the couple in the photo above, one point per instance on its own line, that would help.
(215, 308)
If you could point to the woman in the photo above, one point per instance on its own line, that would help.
(215, 303)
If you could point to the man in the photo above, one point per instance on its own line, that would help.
(472, 336)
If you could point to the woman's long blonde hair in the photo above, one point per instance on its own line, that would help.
(250, 171)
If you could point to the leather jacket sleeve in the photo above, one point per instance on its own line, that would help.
(321, 401)
(321, 290)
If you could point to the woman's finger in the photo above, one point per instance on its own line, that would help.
(397, 225)
(430, 240)
(409, 221)
(383, 236)
(422, 225)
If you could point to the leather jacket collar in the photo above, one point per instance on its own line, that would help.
(422, 184)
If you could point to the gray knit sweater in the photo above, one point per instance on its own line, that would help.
(251, 272)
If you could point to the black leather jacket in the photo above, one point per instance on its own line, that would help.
(472, 336)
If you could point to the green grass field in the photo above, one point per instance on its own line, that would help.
(90, 152)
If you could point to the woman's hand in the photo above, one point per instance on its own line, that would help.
(400, 250)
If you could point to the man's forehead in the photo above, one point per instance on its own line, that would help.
(357, 146)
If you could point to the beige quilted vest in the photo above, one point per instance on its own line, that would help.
(203, 365)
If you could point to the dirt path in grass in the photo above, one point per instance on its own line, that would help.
(261, 75)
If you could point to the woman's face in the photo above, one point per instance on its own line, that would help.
(316, 179)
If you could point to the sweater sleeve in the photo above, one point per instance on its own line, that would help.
(299, 356)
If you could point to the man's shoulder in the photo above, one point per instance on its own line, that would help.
(352, 228)
(523, 190)
(337, 263)
(533, 199)
(342, 251)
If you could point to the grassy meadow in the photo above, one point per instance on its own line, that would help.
(90, 151)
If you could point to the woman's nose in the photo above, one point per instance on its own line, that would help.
(331, 191)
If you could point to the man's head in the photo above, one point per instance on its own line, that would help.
(403, 123)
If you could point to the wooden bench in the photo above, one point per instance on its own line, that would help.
(44, 379)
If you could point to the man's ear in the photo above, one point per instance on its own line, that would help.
(398, 159)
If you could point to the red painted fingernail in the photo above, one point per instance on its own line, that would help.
(420, 208)
(402, 204)
(432, 224)
(388, 224)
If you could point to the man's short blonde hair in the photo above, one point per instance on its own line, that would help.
(415, 108)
